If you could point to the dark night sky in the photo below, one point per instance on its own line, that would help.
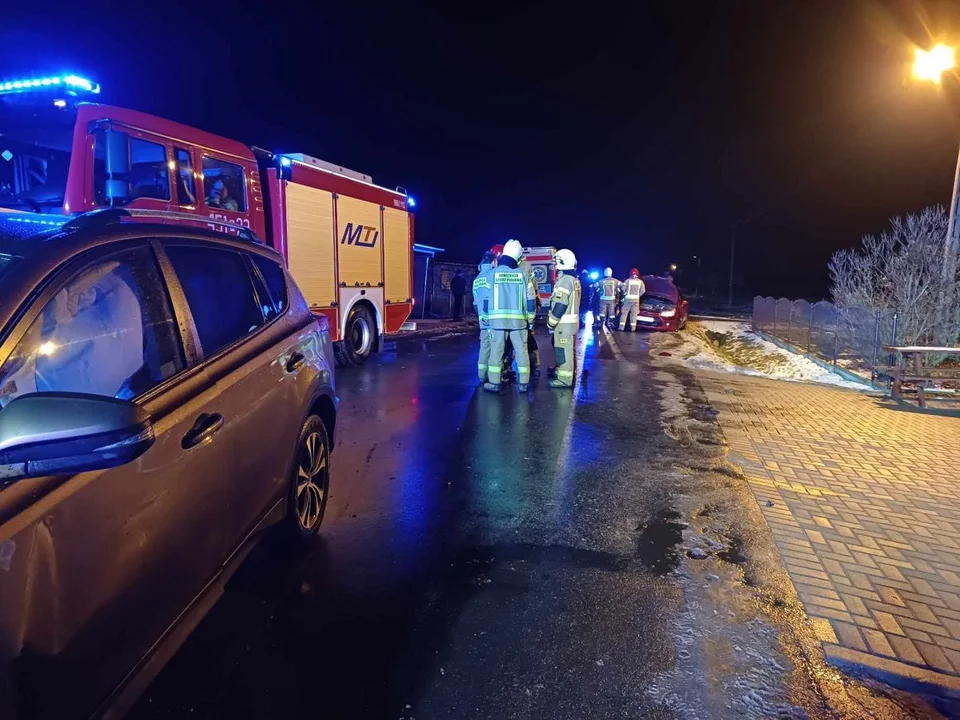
(634, 134)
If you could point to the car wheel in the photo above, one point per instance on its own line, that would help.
(359, 338)
(310, 484)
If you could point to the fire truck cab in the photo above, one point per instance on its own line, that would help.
(348, 243)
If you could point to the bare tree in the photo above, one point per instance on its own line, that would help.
(909, 270)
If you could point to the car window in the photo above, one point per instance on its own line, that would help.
(186, 192)
(129, 167)
(276, 281)
(220, 293)
(109, 331)
(223, 185)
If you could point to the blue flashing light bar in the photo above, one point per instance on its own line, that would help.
(285, 162)
(411, 203)
(50, 222)
(69, 82)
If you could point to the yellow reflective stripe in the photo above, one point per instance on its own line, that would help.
(506, 316)
(565, 373)
(562, 291)
(568, 319)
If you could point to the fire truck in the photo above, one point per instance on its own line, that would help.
(347, 242)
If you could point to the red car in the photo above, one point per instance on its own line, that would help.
(662, 306)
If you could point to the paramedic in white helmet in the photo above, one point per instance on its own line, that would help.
(564, 318)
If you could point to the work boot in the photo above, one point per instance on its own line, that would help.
(522, 388)
(559, 384)
(491, 387)
(552, 373)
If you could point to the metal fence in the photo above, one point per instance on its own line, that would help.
(849, 337)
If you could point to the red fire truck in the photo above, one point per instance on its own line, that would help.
(348, 243)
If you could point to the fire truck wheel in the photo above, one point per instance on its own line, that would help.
(358, 341)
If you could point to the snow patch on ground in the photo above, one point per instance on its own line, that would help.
(733, 347)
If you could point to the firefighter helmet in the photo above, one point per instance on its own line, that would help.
(608, 272)
(513, 249)
(566, 260)
(634, 273)
(497, 250)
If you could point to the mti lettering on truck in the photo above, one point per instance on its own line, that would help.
(352, 235)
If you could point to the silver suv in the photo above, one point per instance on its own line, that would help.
(166, 396)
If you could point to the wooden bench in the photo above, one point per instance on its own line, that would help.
(910, 368)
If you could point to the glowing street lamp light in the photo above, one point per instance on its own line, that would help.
(931, 64)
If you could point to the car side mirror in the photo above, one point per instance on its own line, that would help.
(64, 433)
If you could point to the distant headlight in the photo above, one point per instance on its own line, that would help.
(668, 313)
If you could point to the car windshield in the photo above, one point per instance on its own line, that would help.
(34, 156)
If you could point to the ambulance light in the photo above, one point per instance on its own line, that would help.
(74, 82)
(594, 275)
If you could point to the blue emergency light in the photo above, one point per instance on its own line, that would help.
(411, 203)
(594, 275)
(285, 162)
(70, 83)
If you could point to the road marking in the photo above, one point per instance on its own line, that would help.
(613, 343)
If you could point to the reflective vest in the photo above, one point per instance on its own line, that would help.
(633, 289)
(566, 291)
(481, 294)
(511, 300)
(608, 289)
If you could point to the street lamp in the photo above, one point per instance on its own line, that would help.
(930, 65)
(933, 63)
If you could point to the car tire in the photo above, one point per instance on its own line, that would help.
(309, 479)
(358, 340)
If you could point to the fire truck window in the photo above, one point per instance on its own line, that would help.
(126, 168)
(186, 190)
(223, 185)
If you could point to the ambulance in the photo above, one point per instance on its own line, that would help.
(347, 241)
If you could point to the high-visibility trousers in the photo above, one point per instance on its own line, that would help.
(498, 343)
(608, 308)
(629, 313)
(483, 360)
(565, 349)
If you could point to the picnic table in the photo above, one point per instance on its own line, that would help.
(911, 368)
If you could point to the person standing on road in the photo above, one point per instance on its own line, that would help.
(533, 350)
(458, 286)
(512, 307)
(633, 290)
(481, 302)
(563, 320)
(609, 290)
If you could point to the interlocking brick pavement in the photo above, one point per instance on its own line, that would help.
(862, 498)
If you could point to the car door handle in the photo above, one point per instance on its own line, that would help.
(295, 362)
(206, 426)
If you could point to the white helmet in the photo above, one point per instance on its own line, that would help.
(566, 260)
(513, 249)
(608, 272)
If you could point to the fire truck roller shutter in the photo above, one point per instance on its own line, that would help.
(396, 255)
(358, 242)
(310, 243)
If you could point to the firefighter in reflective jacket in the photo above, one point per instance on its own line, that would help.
(609, 290)
(512, 308)
(564, 318)
(633, 290)
(481, 302)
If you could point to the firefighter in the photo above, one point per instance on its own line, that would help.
(564, 318)
(609, 289)
(633, 290)
(533, 349)
(512, 305)
(481, 303)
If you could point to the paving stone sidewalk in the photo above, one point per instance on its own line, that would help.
(862, 498)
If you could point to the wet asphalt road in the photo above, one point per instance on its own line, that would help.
(479, 558)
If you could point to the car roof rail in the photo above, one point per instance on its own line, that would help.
(113, 216)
